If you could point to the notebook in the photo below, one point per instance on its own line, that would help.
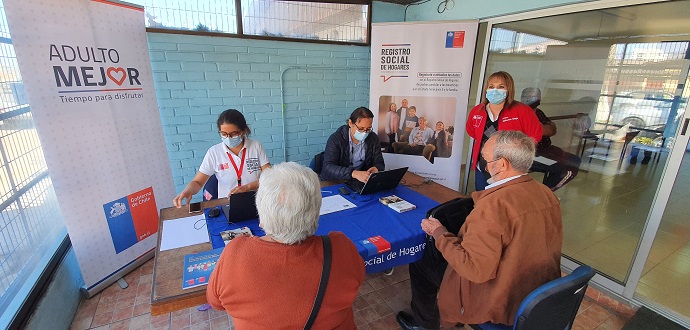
(378, 181)
(242, 207)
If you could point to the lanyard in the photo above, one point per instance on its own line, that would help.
(238, 171)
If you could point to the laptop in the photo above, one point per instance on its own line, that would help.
(242, 207)
(378, 181)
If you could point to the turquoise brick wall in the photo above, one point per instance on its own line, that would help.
(197, 77)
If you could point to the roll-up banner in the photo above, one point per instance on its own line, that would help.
(86, 69)
(420, 82)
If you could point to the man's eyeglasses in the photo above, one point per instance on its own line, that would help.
(362, 129)
(230, 135)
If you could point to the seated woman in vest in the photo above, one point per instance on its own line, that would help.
(271, 282)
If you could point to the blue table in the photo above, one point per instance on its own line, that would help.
(369, 219)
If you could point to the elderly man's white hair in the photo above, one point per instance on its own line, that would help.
(516, 147)
(288, 201)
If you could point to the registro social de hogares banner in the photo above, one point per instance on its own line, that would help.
(422, 71)
(86, 69)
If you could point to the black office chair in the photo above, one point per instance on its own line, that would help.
(452, 215)
(317, 163)
(551, 306)
(211, 188)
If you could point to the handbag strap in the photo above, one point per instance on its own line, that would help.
(325, 274)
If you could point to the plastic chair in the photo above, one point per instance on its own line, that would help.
(551, 306)
(317, 163)
(211, 188)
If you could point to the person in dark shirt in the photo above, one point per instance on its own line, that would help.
(411, 121)
(567, 165)
(354, 150)
(438, 144)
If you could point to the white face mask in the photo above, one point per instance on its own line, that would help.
(492, 179)
(232, 142)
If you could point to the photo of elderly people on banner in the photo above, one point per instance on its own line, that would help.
(418, 126)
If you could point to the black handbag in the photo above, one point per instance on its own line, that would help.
(325, 274)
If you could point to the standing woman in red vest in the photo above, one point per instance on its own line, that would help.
(498, 111)
(237, 161)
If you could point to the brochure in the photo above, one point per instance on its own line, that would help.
(229, 235)
(396, 203)
(198, 267)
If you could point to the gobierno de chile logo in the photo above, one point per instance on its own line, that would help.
(94, 73)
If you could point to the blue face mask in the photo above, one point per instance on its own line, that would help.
(360, 136)
(496, 96)
(232, 142)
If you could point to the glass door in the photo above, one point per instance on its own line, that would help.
(665, 279)
(661, 273)
(614, 82)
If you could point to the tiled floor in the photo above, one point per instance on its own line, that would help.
(380, 298)
(604, 212)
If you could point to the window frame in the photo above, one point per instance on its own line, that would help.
(241, 35)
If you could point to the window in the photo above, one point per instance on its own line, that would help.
(328, 22)
(507, 41)
(202, 16)
(305, 20)
(30, 222)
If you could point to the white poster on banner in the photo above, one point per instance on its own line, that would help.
(86, 68)
(420, 80)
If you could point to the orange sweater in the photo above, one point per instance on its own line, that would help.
(270, 285)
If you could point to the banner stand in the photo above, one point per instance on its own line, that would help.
(90, 87)
(87, 293)
(419, 90)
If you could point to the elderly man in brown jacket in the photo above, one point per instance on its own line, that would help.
(508, 246)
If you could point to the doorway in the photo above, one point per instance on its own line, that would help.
(614, 81)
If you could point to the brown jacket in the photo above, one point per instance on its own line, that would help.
(509, 245)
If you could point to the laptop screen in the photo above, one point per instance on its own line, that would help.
(380, 181)
(242, 207)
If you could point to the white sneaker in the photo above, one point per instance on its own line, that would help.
(388, 272)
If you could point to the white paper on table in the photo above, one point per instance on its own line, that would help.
(544, 160)
(183, 232)
(335, 203)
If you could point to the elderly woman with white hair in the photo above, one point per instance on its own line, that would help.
(271, 282)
